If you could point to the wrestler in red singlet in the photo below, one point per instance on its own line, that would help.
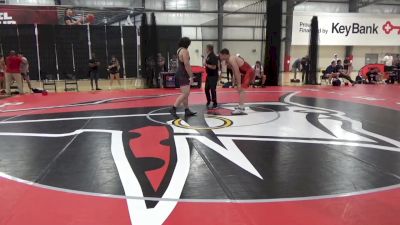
(244, 73)
(248, 74)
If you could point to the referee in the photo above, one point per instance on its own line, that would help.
(211, 64)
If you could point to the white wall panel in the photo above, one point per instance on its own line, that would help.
(323, 7)
(196, 51)
(102, 3)
(259, 33)
(245, 49)
(243, 19)
(381, 9)
(208, 5)
(189, 32)
(209, 33)
(30, 2)
(154, 4)
(234, 5)
(238, 33)
(183, 18)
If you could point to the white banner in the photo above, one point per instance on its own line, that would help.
(348, 29)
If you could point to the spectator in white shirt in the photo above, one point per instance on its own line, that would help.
(388, 60)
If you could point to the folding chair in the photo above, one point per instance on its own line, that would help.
(71, 83)
(49, 80)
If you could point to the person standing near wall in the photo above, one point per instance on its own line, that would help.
(305, 68)
(25, 70)
(161, 63)
(211, 64)
(13, 72)
(335, 58)
(94, 71)
(296, 67)
(184, 75)
(113, 69)
(173, 63)
(240, 67)
(388, 60)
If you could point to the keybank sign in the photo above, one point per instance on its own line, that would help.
(355, 28)
(348, 29)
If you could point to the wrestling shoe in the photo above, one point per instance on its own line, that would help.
(173, 113)
(239, 111)
(189, 113)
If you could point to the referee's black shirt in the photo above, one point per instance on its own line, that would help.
(212, 59)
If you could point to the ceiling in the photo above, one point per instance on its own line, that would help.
(192, 5)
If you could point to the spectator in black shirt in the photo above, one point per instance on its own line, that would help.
(305, 68)
(343, 73)
(69, 18)
(211, 65)
(374, 75)
(339, 66)
(94, 71)
(331, 71)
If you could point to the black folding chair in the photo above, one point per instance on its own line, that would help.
(49, 81)
(71, 83)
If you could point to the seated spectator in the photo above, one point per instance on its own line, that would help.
(260, 77)
(337, 71)
(344, 73)
(359, 79)
(330, 71)
(374, 75)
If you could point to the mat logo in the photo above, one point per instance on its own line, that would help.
(389, 27)
(355, 28)
(6, 19)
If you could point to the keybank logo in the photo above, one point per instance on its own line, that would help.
(354, 28)
(388, 27)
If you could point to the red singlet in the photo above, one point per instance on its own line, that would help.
(248, 73)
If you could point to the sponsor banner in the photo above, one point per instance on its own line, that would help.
(28, 15)
(351, 29)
